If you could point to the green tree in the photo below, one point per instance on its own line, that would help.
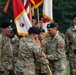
(63, 12)
(9, 14)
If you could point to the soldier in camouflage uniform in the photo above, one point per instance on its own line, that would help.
(71, 46)
(29, 50)
(34, 21)
(58, 26)
(15, 45)
(44, 69)
(55, 51)
(6, 52)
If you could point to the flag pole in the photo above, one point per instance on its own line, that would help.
(30, 11)
(50, 72)
(38, 15)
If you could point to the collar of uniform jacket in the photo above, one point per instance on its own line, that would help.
(74, 28)
(55, 36)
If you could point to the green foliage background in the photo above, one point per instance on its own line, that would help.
(9, 14)
(63, 10)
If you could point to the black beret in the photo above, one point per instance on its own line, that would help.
(5, 24)
(74, 16)
(34, 30)
(42, 30)
(51, 25)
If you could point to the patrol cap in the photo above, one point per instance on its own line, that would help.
(51, 25)
(5, 24)
(33, 30)
(74, 16)
(42, 30)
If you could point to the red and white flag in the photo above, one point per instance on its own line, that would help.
(20, 17)
(27, 7)
(36, 3)
(47, 13)
(47, 10)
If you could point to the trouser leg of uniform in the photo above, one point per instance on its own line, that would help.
(73, 72)
(72, 68)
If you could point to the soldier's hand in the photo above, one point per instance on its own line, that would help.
(46, 61)
(44, 55)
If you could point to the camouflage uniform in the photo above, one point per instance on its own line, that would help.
(26, 58)
(6, 56)
(37, 61)
(44, 69)
(41, 67)
(55, 51)
(61, 34)
(71, 48)
(15, 45)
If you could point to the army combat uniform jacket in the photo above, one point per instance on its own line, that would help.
(6, 54)
(71, 48)
(55, 51)
(28, 51)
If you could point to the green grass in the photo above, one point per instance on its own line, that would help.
(68, 69)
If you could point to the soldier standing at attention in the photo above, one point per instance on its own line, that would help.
(6, 52)
(55, 51)
(44, 69)
(71, 46)
(29, 50)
